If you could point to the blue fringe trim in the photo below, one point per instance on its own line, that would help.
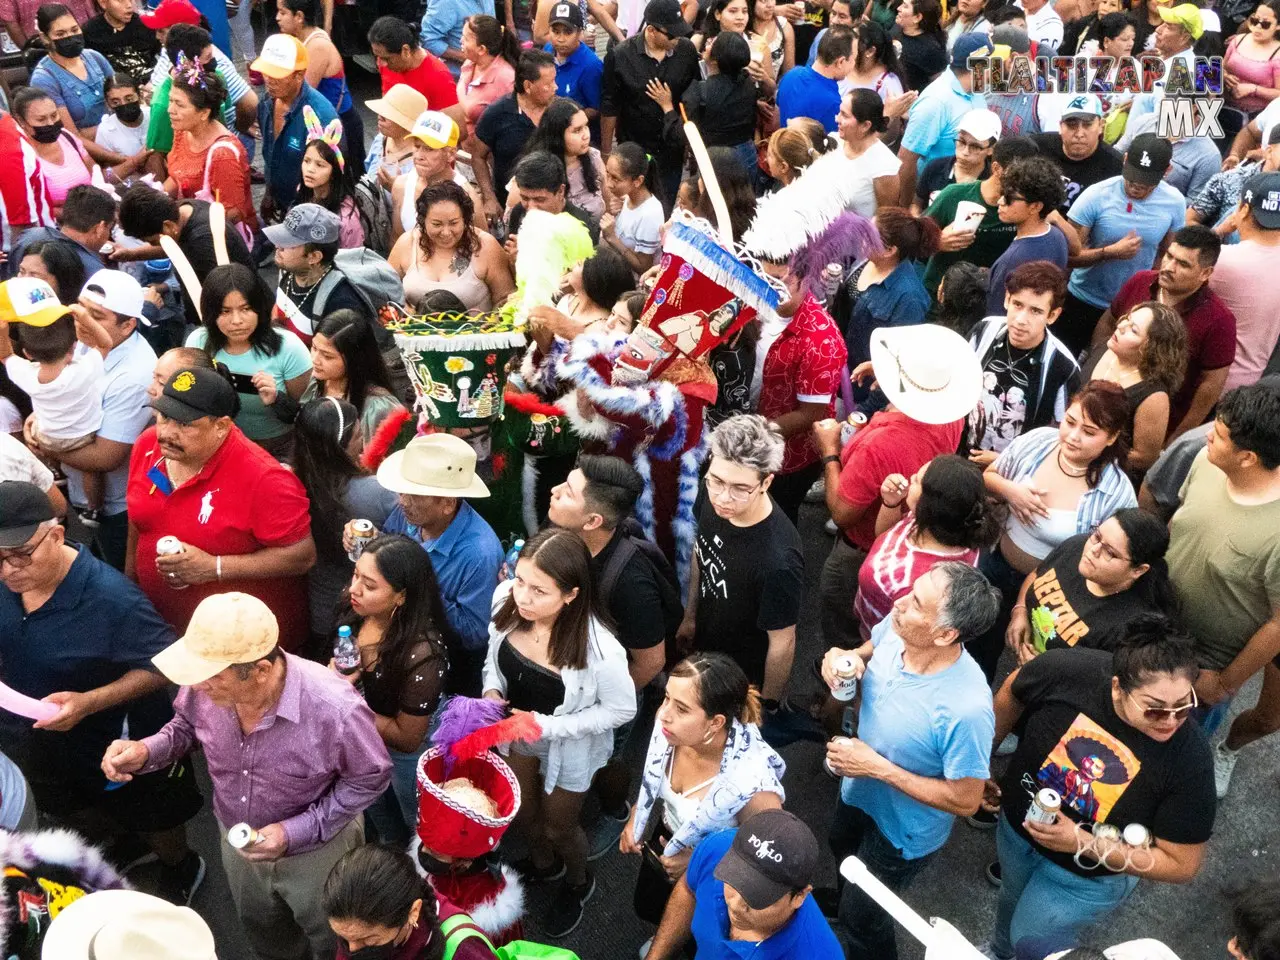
(644, 503)
(721, 266)
(684, 524)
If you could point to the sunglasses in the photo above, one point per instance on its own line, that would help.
(1264, 24)
(1156, 714)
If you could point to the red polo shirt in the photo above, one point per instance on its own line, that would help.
(242, 501)
(802, 366)
(431, 78)
(1211, 333)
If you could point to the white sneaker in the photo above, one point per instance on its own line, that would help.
(831, 528)
(1224, 764)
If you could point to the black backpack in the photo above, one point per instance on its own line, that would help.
(634, 541)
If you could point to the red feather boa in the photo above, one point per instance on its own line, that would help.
(529, 403)
(380, 445)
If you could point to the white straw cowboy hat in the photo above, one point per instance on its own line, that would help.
(928, 372)
(127, 925)
(437, 465)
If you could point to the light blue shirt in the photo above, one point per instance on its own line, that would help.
(938, 726)
(466, 558)
(442, 26)
(1109, 214)
(934, 119)
(126, 412)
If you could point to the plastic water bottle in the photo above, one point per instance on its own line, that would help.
(346, 655)
(509, 562)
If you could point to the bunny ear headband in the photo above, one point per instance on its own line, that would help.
(332, 134)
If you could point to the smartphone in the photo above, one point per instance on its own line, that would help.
(243, 383)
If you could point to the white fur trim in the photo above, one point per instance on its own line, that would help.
(588, 428)
(497, 914)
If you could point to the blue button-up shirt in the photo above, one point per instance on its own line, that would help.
(466, 558)
(934, 119)
(578, 78)
(282, 156)
(442, 26)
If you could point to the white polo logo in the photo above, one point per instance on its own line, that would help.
(206, 508)
(764, 849)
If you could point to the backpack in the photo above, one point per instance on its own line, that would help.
(373, 205)
(375, 280)
(634, 541)
(461, 927)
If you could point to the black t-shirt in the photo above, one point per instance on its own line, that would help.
(750, 581)
(196, 241)
(132, 50)
(734, 364)
(635, 602)
(1063, 611)
(1070, 722)
(1010, 386)
(1103, 164)
(504, 129)
(922, 59)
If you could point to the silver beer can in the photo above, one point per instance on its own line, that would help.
(362, 531)
(1044, 807)
(847, 688)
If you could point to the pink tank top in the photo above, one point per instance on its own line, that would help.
(1265, 73)
(71, 172)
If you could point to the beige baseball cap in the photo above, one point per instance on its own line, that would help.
(225, 628)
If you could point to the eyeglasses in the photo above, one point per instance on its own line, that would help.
(1009, 199)
(1264, 24)
(734, 491)
(1095, 539)
(22, 558)
(1156, 714)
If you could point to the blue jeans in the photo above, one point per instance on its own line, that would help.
(1039, 898)
(868, 930)
(394, 815)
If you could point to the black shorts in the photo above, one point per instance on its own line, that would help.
(149, 803)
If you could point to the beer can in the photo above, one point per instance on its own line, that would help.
(1044, 807)
(850, 426)
(1106, 831)
(1136, 835)
(826, 763)
(847, 688)
(242, 835)
(362, 531)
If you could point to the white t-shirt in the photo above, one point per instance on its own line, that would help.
(1268, 118)
(114, 135)
(69, 405)
(857, 177)
(640, 228)
(19, 463)
(1044, 26)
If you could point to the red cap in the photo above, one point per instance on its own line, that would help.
(170, 13)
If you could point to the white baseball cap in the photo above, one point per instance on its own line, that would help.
(1083, 105)
(982, 125)
(115, 290)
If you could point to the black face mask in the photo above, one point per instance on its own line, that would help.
(382, 951)
(47, 133)
(69, 46)
(129, 112)
(432, 865)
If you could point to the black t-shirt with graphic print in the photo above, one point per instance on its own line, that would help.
(1064, 613)
(1106, 771)
(750, 581)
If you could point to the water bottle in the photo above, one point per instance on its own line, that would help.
(346, 655)
(509, 562)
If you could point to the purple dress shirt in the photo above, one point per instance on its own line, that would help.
(312, 763)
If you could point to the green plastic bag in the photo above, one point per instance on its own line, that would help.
(461, 927)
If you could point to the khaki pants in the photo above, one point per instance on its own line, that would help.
(279, 903)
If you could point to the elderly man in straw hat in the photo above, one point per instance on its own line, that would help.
(391, 151)
(294, 757)
(434, 475)
(127, 925)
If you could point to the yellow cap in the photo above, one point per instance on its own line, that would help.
(31, 301)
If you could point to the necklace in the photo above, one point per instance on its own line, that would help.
(1066, 472)
(300, 294)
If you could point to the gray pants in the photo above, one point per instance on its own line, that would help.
(838, 585)
(278, 903)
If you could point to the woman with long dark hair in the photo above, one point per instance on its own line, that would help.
(563, 132)
(55, 262)
(444, 250)
(1059, 482)
(397, 618)
(264, 360)
(327, 179)
(918, 27)
(327, 434)
(736, 187)
(551, 654)
(379, 906)
(346, 363)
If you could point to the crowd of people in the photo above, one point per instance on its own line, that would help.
(471, 553)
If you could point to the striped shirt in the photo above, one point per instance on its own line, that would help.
(1022, 458)
(24, 200)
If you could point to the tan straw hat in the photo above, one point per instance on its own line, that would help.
(226, 628)
(127, 925)
(402, 105)
(438, 465)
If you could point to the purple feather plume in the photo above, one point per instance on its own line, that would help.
(461, 717)
(850, 238)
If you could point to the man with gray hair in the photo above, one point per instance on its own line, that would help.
(923, 748)
(747, 578)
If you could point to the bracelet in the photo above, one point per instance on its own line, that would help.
(831, 458)
(217, 567)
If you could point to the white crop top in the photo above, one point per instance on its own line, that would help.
(1039, 539)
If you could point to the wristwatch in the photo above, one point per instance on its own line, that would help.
(831, 458)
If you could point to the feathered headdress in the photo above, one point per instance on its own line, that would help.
(849, 238)
(331, 135)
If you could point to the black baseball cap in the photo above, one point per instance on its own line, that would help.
(1147, 159)
(192, 393)
(1261, 193)
(665, 15)
(569, 13)
(774, 854)
(23, 507)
